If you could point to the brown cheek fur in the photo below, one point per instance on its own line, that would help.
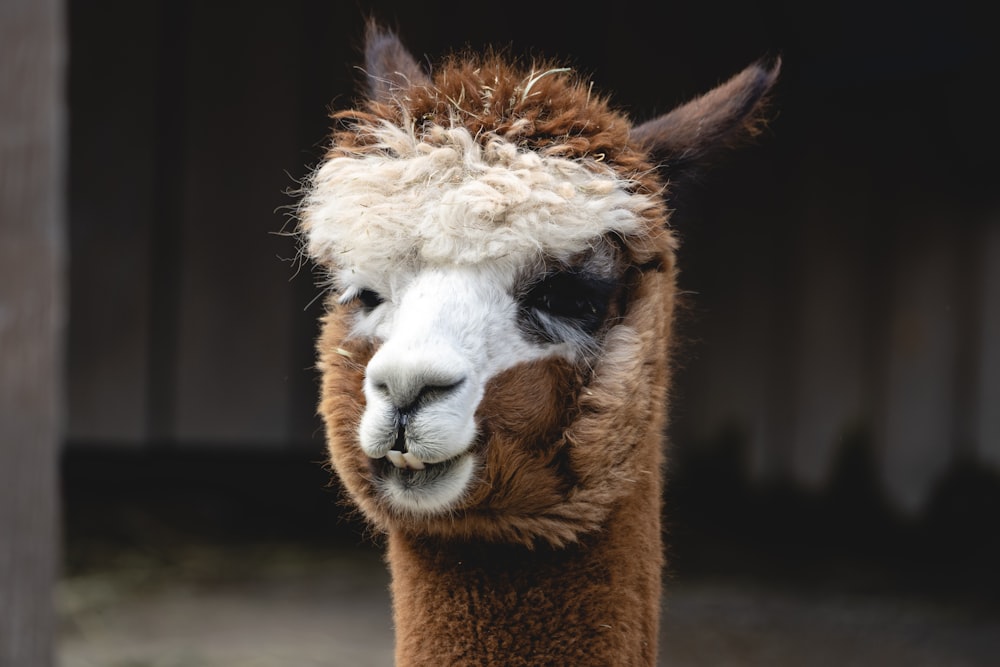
(521, 418)
(342, 363)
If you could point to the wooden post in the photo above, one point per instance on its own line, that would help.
(32, 54)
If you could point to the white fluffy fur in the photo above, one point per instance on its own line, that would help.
(448, 200)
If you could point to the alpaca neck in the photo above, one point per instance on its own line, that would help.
(595, 602)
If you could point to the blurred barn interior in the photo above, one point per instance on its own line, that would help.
(836, 413)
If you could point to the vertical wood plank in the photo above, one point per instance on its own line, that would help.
(234, 324)
(987, 412)
(31, 319)
(111, 158)
(917, 422)
(829, 395)
(166, 255)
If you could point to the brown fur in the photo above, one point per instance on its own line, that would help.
(554, 555)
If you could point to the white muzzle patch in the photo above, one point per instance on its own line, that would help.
(444, 336)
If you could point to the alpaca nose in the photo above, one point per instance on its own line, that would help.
(412, 382)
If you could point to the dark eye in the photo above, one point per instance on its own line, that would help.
(369, 299)
(578, 298)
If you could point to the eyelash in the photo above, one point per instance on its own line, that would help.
(368, 298)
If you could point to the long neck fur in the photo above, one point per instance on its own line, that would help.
(594, 602)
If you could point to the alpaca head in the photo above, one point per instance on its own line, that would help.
(501, 271)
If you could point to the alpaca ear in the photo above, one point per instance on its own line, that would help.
(388, 65)
(687, 139)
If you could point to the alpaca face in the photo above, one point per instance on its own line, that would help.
(457, 262)
(494, 355)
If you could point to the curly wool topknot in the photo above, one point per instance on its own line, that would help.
(541, 108)
(446, 198)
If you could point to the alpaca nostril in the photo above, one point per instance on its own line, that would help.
(433, 392)
(425, 395)
(408, 392)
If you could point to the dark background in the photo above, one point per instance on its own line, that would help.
(835, 412)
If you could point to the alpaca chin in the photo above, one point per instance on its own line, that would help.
(434, 489)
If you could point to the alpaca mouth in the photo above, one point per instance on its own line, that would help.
(406, 468)
(400, 461)
(432, 489)
(415, 476)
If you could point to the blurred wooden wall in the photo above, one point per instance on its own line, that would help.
(845, 272)
(189, 322)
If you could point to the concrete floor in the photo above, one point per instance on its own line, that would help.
(282, 606)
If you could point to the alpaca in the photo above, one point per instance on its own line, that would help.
(494, 354)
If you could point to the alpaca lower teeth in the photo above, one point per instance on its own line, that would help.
(396, 458)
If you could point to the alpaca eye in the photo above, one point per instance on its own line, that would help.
(579, 298)
(369, 299)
